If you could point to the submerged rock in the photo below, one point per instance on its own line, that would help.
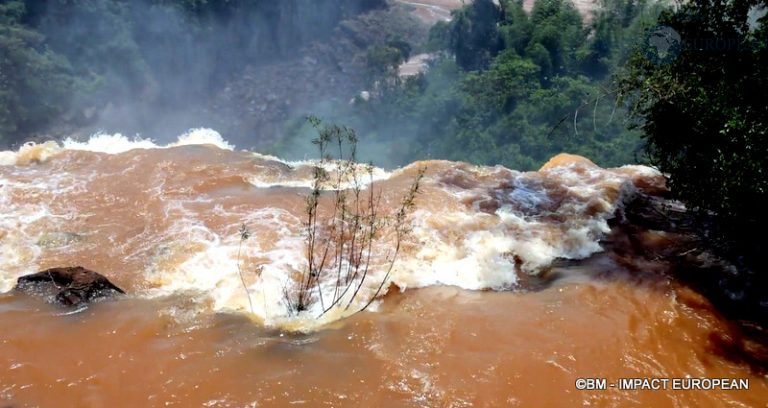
(58, 239)
(72, 286)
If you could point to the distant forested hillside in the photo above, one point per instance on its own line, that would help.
(71, 58)
(504, 87)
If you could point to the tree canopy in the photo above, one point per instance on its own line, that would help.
(504, 87)
(704, 118)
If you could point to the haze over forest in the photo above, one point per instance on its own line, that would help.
(254, 70)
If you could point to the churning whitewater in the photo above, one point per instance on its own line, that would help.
(165, 220)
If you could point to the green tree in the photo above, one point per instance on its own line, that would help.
(383, 61)
(704, 116)
(510, 79)
(705, 122)
(506, 88)
(475, 38)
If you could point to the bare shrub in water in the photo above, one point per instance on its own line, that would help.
(340, 245)
(244, 235)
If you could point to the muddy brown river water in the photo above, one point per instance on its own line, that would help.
(460, 325)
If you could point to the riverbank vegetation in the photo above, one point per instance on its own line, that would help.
(704, 118)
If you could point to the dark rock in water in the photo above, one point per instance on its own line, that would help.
(73, 286)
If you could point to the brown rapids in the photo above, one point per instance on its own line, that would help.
(162, 224)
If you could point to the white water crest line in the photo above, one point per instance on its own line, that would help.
(109, 143)
(118, 143)
(293, 180)
(101, 142)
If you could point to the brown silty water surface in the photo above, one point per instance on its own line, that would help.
(472, 323)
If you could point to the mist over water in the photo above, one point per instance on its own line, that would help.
(155, 69)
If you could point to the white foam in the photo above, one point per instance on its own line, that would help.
(454, 242)
(467, 248)
(644, 171)
(118, 143)
(214, 269)
(203, 136)
(109, 143)
(19, 242)
(294, 179)
(30, 152)
(8, 158)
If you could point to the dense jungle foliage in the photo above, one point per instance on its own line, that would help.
(504, 87)
(704, 118)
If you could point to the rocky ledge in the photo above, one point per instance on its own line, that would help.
(70, 287)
